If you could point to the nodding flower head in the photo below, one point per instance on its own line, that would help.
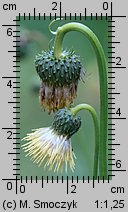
(59, 79)
(52, 145)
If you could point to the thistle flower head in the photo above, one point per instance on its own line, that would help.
(52, 145)
(59, 79)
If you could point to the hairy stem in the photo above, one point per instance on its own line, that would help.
(61, 31)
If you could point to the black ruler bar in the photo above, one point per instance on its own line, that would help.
(111, 10)
(60, 10)
(118, 170)
(67, 185)
(11, 25)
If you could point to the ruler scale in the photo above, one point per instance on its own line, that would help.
(53, 192)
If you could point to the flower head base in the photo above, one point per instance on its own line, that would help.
(65, 123)
(52, 145)
(59, 79)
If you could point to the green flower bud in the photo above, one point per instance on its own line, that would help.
(65, 123)
(59, 79)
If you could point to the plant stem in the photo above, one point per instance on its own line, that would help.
(89, 108)
(61, 31)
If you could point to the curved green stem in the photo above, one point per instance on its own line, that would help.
(87, 107)
(61, 31)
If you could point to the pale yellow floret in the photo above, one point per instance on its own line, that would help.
(45, 146)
